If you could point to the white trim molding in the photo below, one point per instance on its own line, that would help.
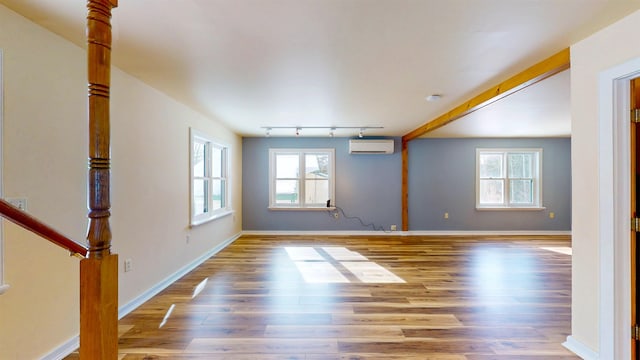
(154, 290)
(3, 286)
(580, 349)
(72, 344)
(414, 233)
(614, 292)
(64, 349)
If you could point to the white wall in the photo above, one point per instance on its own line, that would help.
(45, 145)
(589, 58)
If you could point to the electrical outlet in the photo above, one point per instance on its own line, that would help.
(446, 215)
(20, 203)
(188, 238)
(127, 265)
(394, 227)
(552, 215)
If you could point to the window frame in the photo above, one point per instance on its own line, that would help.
(301, 152)
(209, 213)
(536, 178)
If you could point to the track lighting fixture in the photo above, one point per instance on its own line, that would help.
(332, 129)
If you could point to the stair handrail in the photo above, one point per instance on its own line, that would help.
(28, 222)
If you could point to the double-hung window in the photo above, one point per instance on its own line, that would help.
(301, 178)
(508, 178)
(209, 179)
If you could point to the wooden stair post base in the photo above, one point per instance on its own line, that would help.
(99, 308)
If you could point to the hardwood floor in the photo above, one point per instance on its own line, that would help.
(379, 297)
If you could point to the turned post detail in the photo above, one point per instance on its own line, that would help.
(99, 271)
(99, 76)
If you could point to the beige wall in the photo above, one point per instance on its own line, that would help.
(45, 157)
(601, 51)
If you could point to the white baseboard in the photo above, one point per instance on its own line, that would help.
(63, 350)
(154, 290)
(72, 344)
(580, 349)
(490, 233)
(416, 233)
(324, 232)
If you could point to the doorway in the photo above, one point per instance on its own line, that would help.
(614, 197)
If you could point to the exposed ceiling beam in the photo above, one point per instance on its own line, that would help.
(540, 71)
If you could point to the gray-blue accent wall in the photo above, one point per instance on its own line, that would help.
(367, 186)
(441, 179)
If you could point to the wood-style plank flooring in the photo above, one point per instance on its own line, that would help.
(377, 297)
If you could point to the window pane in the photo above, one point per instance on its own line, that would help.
(491, 165)
(217, 191)
(491, 191)
(520, 165)
(199, 159)
(287, 166)
(200, 189)
(521, 191)
(216, 161)
(316, 192)
(287, 192)
(317, 166)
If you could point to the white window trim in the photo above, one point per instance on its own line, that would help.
(537, 179)
(227, 209)
(3, 286)
(301, 206)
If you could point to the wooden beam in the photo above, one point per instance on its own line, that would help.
(405, 185)
(540, 71)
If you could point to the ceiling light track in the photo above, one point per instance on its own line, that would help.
(298, 130)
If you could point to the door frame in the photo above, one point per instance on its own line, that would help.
(614, 291)
(3, 285)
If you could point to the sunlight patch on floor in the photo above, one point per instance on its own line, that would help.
(370, 272)
(303, 253)
(320, 272)
(199, 287)
(167, 315)
(560, 249)
(341, 253)
(325, 266)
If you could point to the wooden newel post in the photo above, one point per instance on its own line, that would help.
(99, 271)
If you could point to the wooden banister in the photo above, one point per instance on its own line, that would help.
(36, 226)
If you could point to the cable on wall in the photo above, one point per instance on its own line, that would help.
(362, 222)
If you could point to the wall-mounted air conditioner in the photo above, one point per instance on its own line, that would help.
(370, 146)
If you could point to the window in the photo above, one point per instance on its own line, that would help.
(508, 178)
(209, 179)
(301, 178)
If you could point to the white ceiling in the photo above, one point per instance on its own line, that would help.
(320, 63)
(540, 110)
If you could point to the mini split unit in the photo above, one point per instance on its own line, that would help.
(371, 146)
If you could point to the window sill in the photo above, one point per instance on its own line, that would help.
(213, 217)
(513, 208)
(284, 208)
